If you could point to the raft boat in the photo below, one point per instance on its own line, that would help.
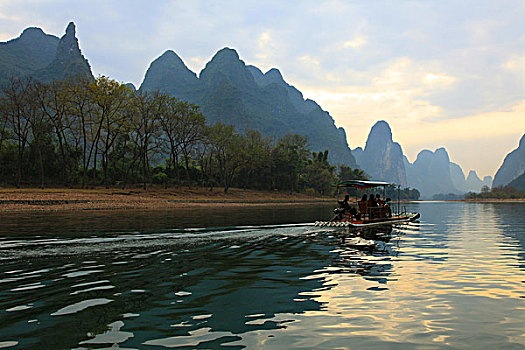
(364, 215)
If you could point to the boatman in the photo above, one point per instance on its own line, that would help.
(343, 207)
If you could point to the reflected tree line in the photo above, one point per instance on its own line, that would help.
(92, 133)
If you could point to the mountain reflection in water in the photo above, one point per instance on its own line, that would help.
(453, 280)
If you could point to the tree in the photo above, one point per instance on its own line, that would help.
(18, 108)
(183, 128)
(190, 130)
(228, 151)
(289, 158)
(54, 100)
(88, 123)
(347, 173)
(256, 169)
(110, 100)
(4, 132)
(41, 130)
(319, 174)
(144, 125)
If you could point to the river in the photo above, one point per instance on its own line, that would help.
(263, 278)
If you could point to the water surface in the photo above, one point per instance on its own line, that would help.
(263, 278)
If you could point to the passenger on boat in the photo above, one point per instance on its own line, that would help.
(363, 206)
(387, 210)
(379, 201)
(372, 207)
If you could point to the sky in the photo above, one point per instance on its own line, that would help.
(441, 73)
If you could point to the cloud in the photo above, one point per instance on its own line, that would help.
(516, 64)
(355, 43)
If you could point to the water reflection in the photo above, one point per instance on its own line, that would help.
(88, 223)
(434, 284)
(175, 287)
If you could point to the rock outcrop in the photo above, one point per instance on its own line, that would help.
(512, 167)
(231, 92)
(32, 51)
(518, 183)
(68, 62)
(473, 182)
(487, 181)
(430, 173)
(169, 74)
(458, 177)
(382, 158)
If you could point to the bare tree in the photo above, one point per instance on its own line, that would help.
(16, 109)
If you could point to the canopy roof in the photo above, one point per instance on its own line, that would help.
(361, 184)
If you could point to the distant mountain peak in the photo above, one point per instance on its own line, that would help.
(170, 57)
(423, 154)
(382, 128)
(23, 56)
(513, 166)
(169, 54)
(473, 175)
(230, 91)
(169, 74)
(32, 32)
(71, 29)
(68, 44)
(69, 61)
(226, 67)
(379, 135)
(274, 75)
(382, 158)
(442, 154)
(226, 54)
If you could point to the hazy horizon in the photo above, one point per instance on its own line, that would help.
(441, 74)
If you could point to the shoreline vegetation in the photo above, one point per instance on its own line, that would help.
(92, 133)
(102, 134)
(494, 200)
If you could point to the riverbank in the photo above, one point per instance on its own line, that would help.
(494, 200)
(14, 200)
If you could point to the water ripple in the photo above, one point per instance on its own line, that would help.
(453, 280)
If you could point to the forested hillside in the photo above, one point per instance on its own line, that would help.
(86, 133)
(231, 92)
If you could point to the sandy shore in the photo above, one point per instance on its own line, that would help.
(495, 200)
(15, 200)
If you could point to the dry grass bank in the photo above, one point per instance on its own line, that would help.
(57, 199)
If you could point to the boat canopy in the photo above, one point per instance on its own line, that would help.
(361, 184)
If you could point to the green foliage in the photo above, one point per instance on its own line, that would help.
(319, 174)
(448, 197)
(507, 192)
(347, 173)
(87, 133)
(408, 194)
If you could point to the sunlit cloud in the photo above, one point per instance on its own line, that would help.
(355, 43)
(442, 80)
(516, 64)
